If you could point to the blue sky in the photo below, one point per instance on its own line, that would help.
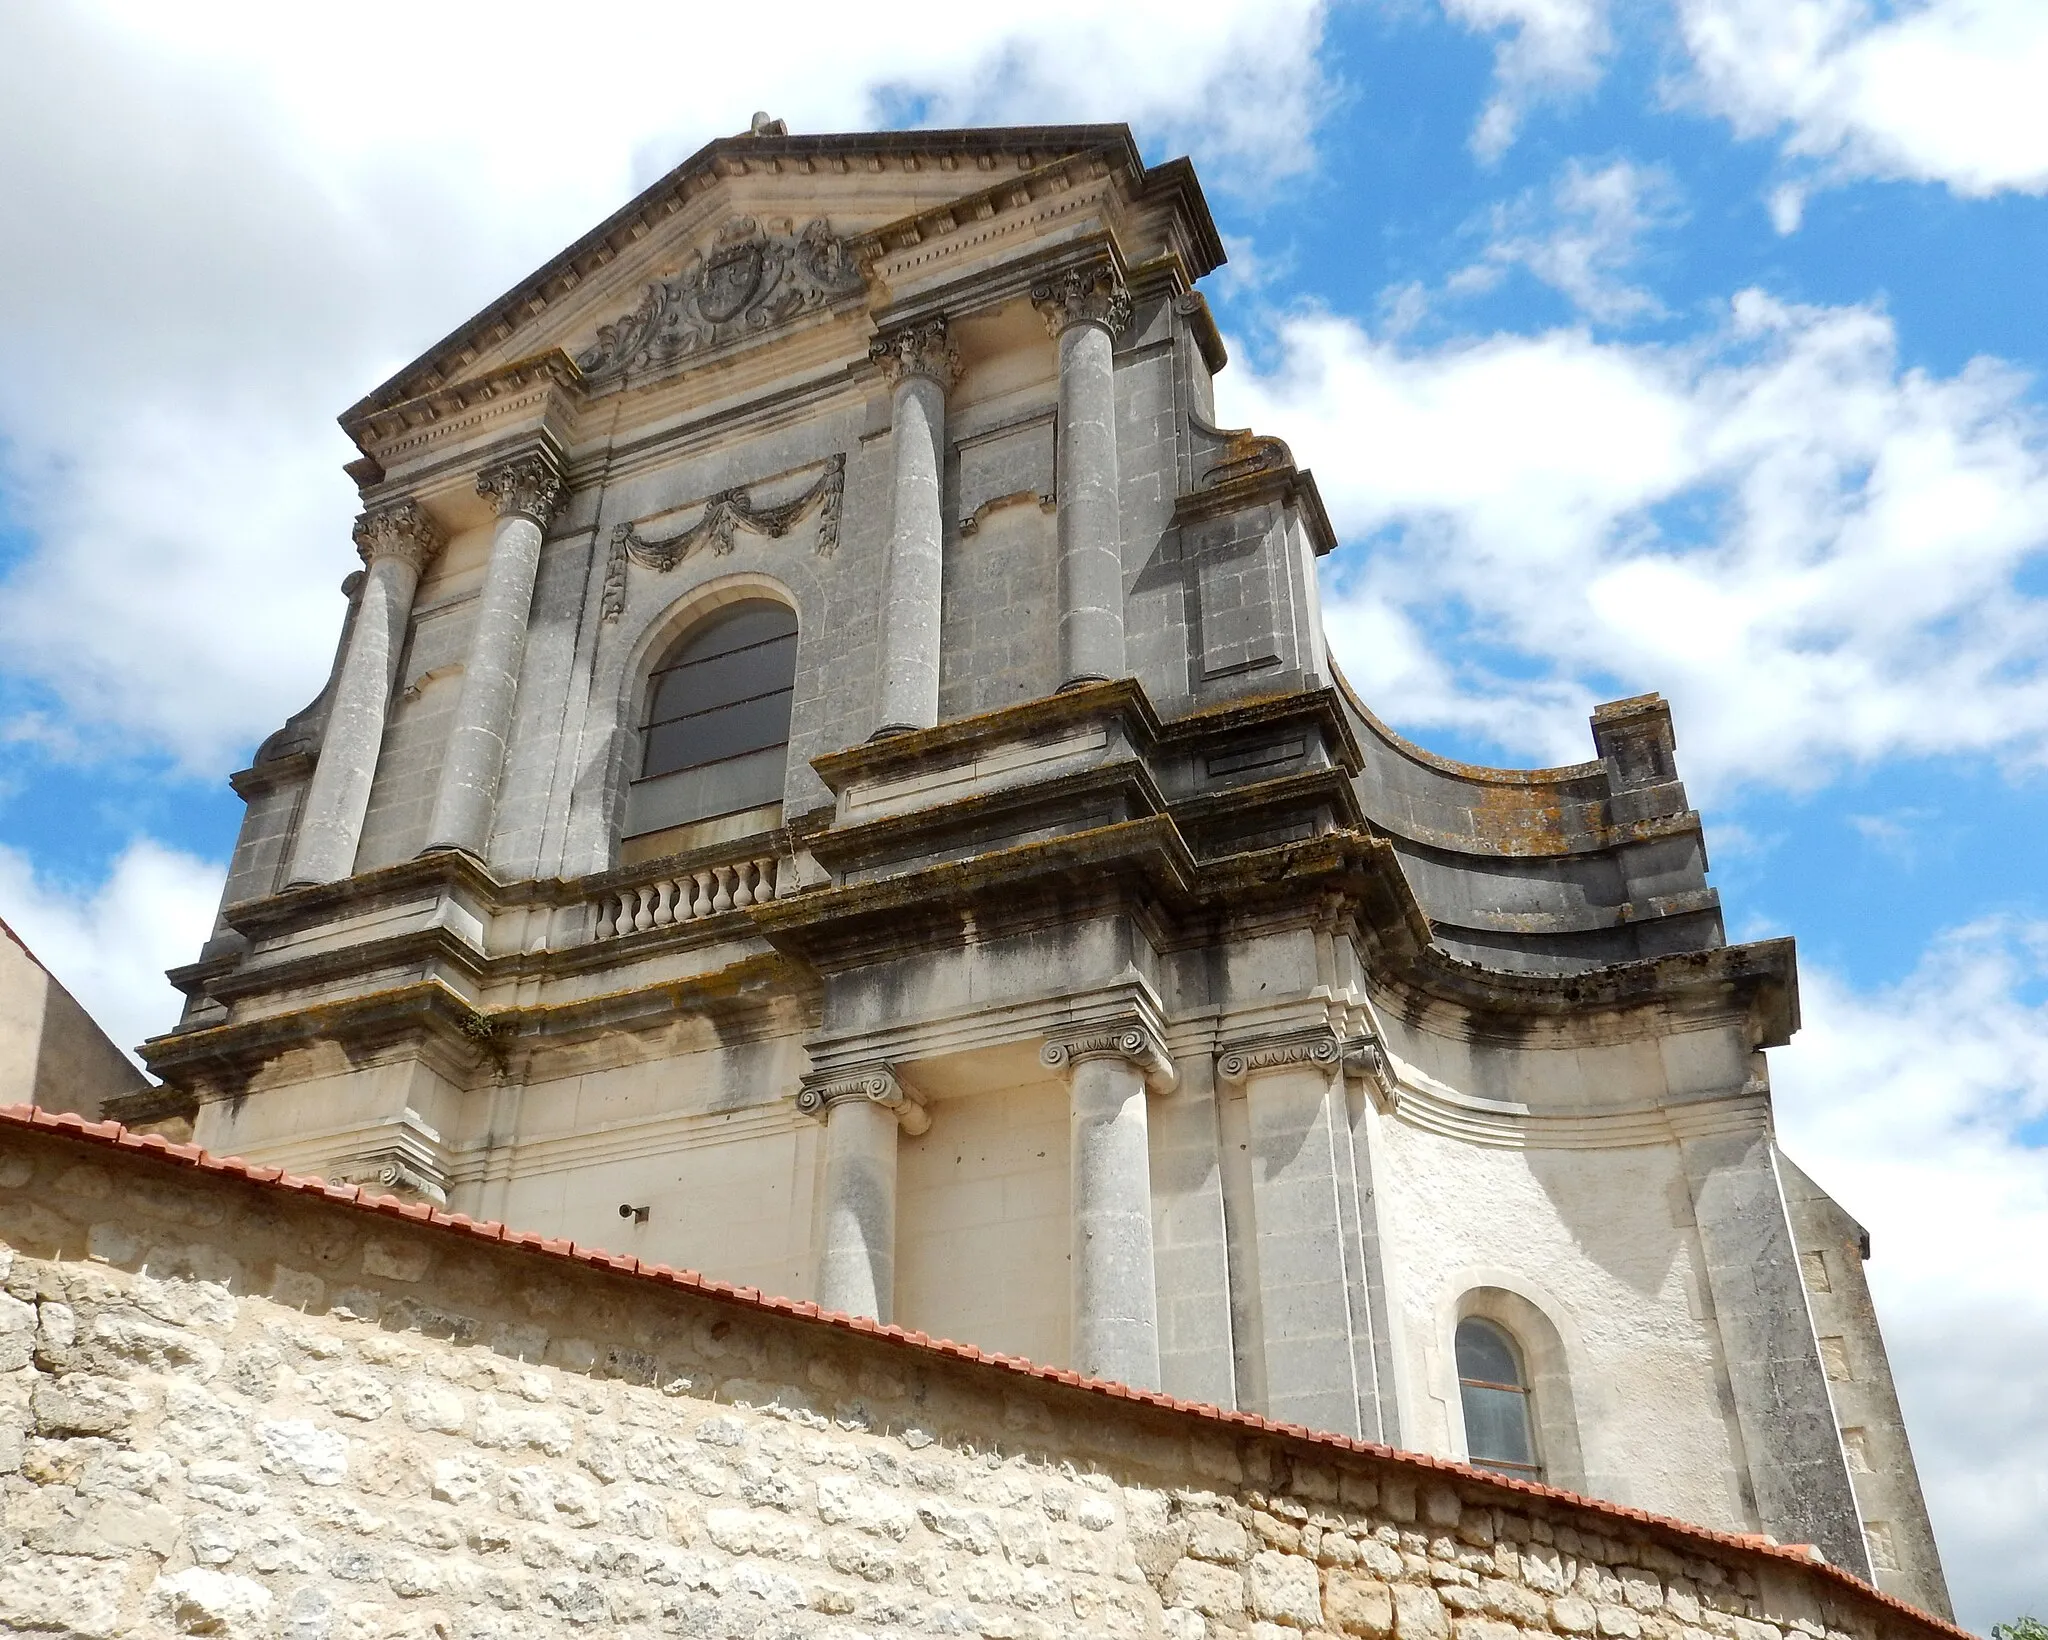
(1692, 345)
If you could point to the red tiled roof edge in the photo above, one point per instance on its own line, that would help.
(114, 1136)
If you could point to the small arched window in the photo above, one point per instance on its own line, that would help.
(1494, 1387)
(714, 740)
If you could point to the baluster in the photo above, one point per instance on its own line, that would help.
(700, 904)
(722, 900)
(766, 891)
(743, 895)
(643, 916)
(607, 916)
(664, 903)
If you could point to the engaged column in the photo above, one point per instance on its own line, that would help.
(1115, 1293)
(527, 490)
(396, 542)
(1086, 309)
(921, 365)
(863, 1113)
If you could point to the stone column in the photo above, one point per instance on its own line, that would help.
(396, 541)
(920, 365)
(1115, 1293)
(1300, 1144)
(1085, 309)
(862, 1111)
(527, 489)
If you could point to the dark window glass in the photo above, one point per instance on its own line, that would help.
(739, 674)
(707, 737)
(722, 691)
(1496, 1399)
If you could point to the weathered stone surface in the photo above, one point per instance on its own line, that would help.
(376, 1479)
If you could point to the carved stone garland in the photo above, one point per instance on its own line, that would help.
(724, 514)
(749, 281)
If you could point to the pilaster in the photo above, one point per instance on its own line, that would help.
(1316, 1347)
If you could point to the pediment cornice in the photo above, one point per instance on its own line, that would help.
(1028, 161)
(519, 392)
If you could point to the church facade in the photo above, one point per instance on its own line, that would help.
(833, 777)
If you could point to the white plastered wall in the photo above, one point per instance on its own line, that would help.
(1592, 1238)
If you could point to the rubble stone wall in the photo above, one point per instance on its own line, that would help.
(245, 1408)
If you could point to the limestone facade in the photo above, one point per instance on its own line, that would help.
(51, 1052)
(1108, 986)
(247, 1407)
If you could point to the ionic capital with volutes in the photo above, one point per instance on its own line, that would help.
(917, 350)
(399, 529)
(876, 1084)
(1128, 1039)
(528, 485)
(1094, 295)
(1239, 1062)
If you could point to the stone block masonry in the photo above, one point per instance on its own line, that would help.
(243, 1405)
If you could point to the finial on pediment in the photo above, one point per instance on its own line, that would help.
(765, 124)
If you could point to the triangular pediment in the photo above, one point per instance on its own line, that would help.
(744, 238)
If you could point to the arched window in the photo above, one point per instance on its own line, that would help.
(715, 737)
(1492, 1384)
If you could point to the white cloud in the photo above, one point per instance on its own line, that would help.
(1811, 550)
(1553, 49)
(245, 215)
(1944, 91)
(1910, 1106)
(1581, 236)
(109, 943)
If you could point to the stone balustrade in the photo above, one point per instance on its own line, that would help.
(672, 894)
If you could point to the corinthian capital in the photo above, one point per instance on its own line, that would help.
(401, 530)
(917, 350)
(1084, 296)
(528, 485)
(876, 1084)
(1128, 1039)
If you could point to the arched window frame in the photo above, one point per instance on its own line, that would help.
(1507, 1388)
(638, 835)
(1546, 1355)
